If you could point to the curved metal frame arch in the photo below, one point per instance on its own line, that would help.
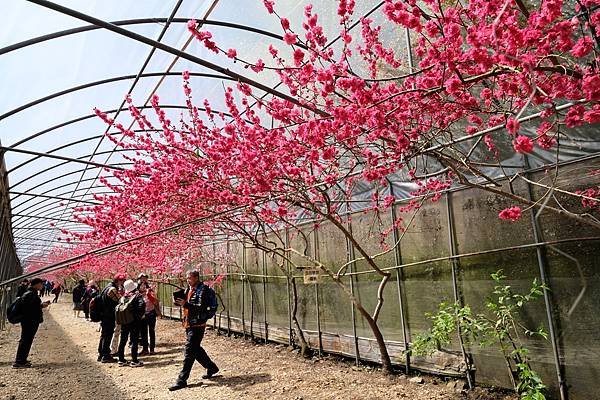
(104, 82)
(44, 204)
(137, 21)
(172, 50)
(54, 178)
(89, 116)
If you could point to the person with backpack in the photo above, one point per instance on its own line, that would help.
(109, 298)
(29, 307)
(129, 314)
(90, 291)
(23, 286)
(152, 311)
(199, 304)
(78, 294)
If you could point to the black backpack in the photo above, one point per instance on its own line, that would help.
(209, 302)
(96, 306)
(14, 312)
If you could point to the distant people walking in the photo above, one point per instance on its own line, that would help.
(130, 312)
(56, 289)
(23, 286)
(148, 328)
(78, 295)
(90, 292)
(43, 289)
(31, 310)
(110, 298)
(194, 306)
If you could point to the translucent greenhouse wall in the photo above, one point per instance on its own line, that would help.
(256, 294)
(9, 262)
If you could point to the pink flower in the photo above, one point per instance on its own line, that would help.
(259, 66)
(582, 47)
(186, 75)
(298, 57)
(523, 144)
(191, 25)
(512, 126)
(269, 6)
(285, 23)
(290, 38)
(510, 214)
(231, 53)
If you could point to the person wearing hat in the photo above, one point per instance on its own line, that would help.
(31, 309)
(110, 298)
(131, 330)
(22, 287)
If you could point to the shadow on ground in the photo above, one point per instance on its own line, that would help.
(60, 368)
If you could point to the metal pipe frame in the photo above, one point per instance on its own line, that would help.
(317, 256)
(542, 267)
(399, 281)
(137, 21)
(351, 256)
(172, 50)
(454, 265)
(89, 116)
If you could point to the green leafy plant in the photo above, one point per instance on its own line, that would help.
(500, 325)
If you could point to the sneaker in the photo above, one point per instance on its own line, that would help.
(152, 352)
(177, 386)
(123, 363)
(99, 358)
(108, 360)
(211, 372)
(21, 365)
(135, 364)
(143, 353)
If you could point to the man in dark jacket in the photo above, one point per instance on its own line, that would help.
(110, 299)
(22, 287)
(31, 309)
(194, 325)
(78, 293)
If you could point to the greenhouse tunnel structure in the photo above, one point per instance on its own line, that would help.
(54, 149)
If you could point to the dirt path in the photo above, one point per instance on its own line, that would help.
(65, 367)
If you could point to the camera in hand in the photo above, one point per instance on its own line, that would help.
(179, 294)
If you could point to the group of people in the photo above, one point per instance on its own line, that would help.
(140, 328)
(47, 288)
(143, 305)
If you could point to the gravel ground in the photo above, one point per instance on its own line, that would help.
(65, 367)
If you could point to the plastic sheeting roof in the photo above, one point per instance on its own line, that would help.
(64, 125)
(98, 67)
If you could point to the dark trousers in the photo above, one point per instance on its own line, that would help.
(28, 331)
(129, 331)
(86, 309)
(148, 331)
(107, 327)
(55, 300)
(193, 351)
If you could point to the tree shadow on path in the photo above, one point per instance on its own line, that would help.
(61, 370)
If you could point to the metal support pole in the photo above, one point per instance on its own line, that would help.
(350, 256)
(287, 246)
(542, 265)
(243, 277)
(399, 280)
(228, 288)
(457, 296)
(264, 296)
(316, 285)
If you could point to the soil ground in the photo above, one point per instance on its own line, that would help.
(65, 367)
